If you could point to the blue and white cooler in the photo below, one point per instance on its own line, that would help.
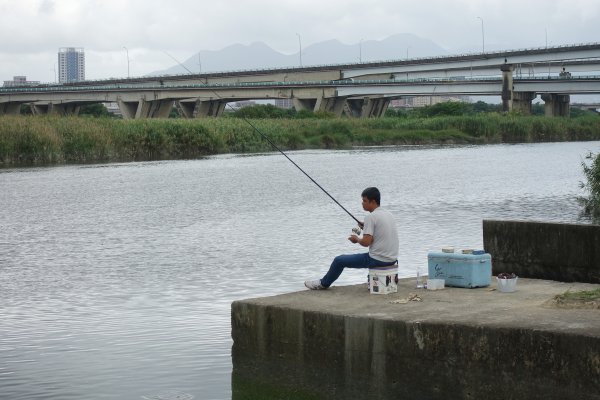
(460, 270)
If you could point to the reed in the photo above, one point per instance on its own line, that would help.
(26, 140)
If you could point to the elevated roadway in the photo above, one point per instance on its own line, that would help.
(582, 58)
(362, 90)
(351, 96)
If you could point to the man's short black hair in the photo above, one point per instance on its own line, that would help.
(372, 193)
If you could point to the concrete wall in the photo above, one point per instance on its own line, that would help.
(561, 252)
(280, 352)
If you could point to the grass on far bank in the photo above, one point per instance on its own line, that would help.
(26, 140)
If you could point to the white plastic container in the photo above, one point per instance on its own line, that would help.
(435, 284)
(383, 280)
(507, 285)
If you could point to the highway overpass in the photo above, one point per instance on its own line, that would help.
(361, 90)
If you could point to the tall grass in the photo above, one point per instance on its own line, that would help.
(42, 140)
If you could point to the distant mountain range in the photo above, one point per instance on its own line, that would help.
(258, 55)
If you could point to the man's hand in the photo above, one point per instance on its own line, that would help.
(365, 241)
(361, 225)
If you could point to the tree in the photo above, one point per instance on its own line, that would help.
(94, 110)
(446, 108)
(262, 111)
(591, 204)
(580, 112)
(483, 107)
(538, 109)
(174, 113)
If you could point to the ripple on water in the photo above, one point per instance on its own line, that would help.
(117, 279)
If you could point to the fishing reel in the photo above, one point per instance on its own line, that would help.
(356, 230)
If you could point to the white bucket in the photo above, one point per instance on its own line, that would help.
(507, 285)
(383, 280)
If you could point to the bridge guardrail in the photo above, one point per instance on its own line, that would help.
(344, 82)
(366, 64)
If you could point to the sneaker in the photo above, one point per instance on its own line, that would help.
(314, 285)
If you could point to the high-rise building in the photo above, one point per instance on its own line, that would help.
(71, 64)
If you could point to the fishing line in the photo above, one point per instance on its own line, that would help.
(265, 137)
(296, 165)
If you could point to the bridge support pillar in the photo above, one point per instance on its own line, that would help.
(187, 109)
(556, 105)
(366, 107)
(42, 109)
(145, 109)
(128, 108)
(211, 108)
(521, 102)
(10, 108)
(201, 108)
(66, 109)
(353, 108)
(160, 108)
(507, 87)
(333, 105)
(62, 109)
(154, 109)
(378, 107)
(304, 104)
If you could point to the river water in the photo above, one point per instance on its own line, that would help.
(116, 280)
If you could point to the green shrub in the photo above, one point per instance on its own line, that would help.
(262, 111)
(446, 108)
(591, 203)
(94, 110)
(302, 114)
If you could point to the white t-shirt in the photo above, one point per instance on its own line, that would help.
(381, 225)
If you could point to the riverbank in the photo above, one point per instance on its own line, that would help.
(26, 140)
(454, 344)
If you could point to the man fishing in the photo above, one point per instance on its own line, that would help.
(379, 235)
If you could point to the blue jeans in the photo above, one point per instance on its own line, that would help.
(362, 260)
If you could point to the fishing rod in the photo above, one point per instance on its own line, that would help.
(265, 137)
(177, 61)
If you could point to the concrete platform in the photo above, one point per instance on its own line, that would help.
(456, 343)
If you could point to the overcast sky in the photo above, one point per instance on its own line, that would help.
(32, 31)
